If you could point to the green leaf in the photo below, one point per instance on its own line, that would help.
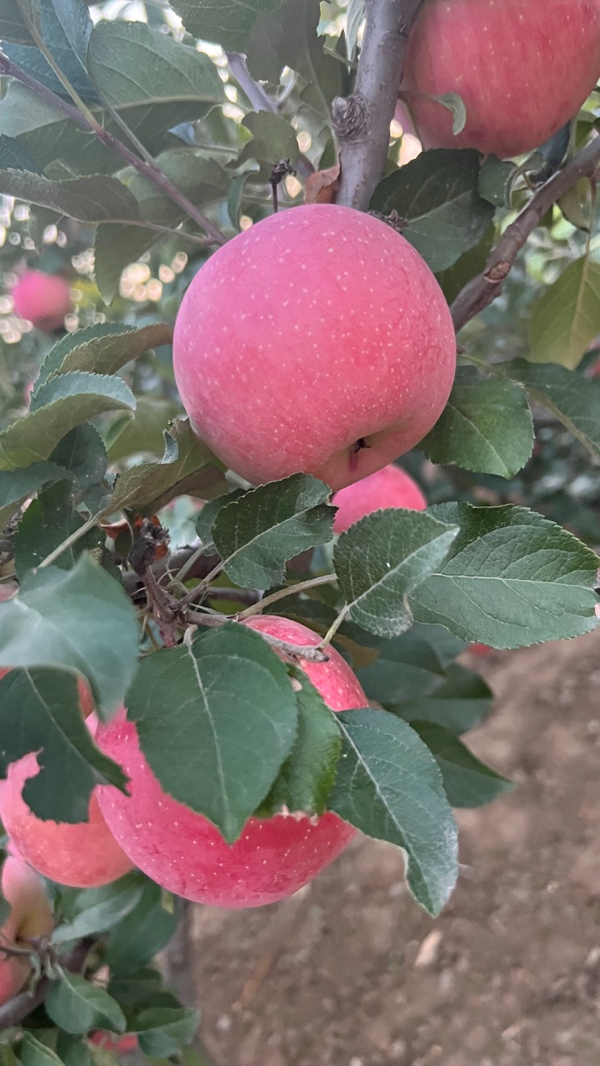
(495, 181)
(456, 105)
(144, 434)
(14, 157)
(115, 247)
(62, 403)
(216, 719)
(100, 349)
(379, 559)
(306, 777)
(209, 512)
(289, 38)
(13, 26)
(47, 522)
(355, 15)
(437, 194)
(73, 16)
(94, 199)
(573, 399)
(99, 915)
(467, 781)
(140, 934)
(76, 1005)
(186, 467)
(132, 65)
(512, 578)
(17, 485)
(409, 666)
(273, 138)
(486, 426)
(471, 263)
(83, 454)
(40, 713)
(257, 533)
(33, 1053)
(566, 319)
(79, 620)
(459, 703)
(389, 786)
(201, 179)
(164, 1031)
(225, 24)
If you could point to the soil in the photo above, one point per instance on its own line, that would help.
(349, 972)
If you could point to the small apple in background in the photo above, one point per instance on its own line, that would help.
(479, 649)
(185, 853)
(30, 918)
(317, 341)
(522, 67)
(110, 1042)
(43, 299)
(389, 487)
(83, 855)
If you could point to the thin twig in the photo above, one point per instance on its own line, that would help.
(362, 121)
(301, 586)
(481, 290)
(151, 171)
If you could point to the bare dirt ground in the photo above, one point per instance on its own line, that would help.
(350, 972)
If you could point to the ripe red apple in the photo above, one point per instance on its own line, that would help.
(317, 341)
(83, 855)
(120, 1044)
(30, 917)
(185, 853)
(522, 67)
(479, 649)
(389, 487)
(43, 299)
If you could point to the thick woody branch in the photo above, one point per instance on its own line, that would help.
(481, 290)
(362, 121)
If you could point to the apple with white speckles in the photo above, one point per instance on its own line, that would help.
(185, 853)
(317, 341)
(522, 67)
(43, 299)
(389, 487)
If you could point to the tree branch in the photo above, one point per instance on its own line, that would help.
(483, 289)
(17, 1008)
(150, 171)
(362, 121)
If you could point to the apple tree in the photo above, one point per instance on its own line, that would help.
(253, 254)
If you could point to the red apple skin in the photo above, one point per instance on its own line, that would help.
(185, 853)
(30, 917)
(316, 329)
(480, 649)
(522, 67)
(83, 855)
(43, 299)
(120, 1044)
(389, 487)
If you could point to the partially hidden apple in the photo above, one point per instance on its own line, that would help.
(317, 341)
(81, 855)
(185, 853)
(43, 299)
(389, 487)
(30, 918)
(522, 67)
(109, 1042)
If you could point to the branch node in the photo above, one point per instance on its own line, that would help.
(350, 116)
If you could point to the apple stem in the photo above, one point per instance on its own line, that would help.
(362, 120)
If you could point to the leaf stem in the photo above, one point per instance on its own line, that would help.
(74, 537)
(335, 625)
(301, 586)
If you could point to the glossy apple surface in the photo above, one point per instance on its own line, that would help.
(30, 917)
(317, 341)
(389, 487)
(43, 299)
(522, 67)
(185, 853)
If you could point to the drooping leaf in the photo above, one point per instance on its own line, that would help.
(486, 426)
(573, 399)
(101, 909)
(77, 1005)
(163, 1031)
(460, 702)
(389, 786)
(216, 719)
(79, 620)
(512, 578)
(257, 533)
(33, 1053)
(467, 781)
(437, 196)
(186, 467)
(566, 319)
(379, 559)
(62, 403)
(40, 713)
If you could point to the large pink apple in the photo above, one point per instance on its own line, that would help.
(389, 487)
(185, 853)
(522, 67)
(317, 341)
(30, 917)
(43, 299)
